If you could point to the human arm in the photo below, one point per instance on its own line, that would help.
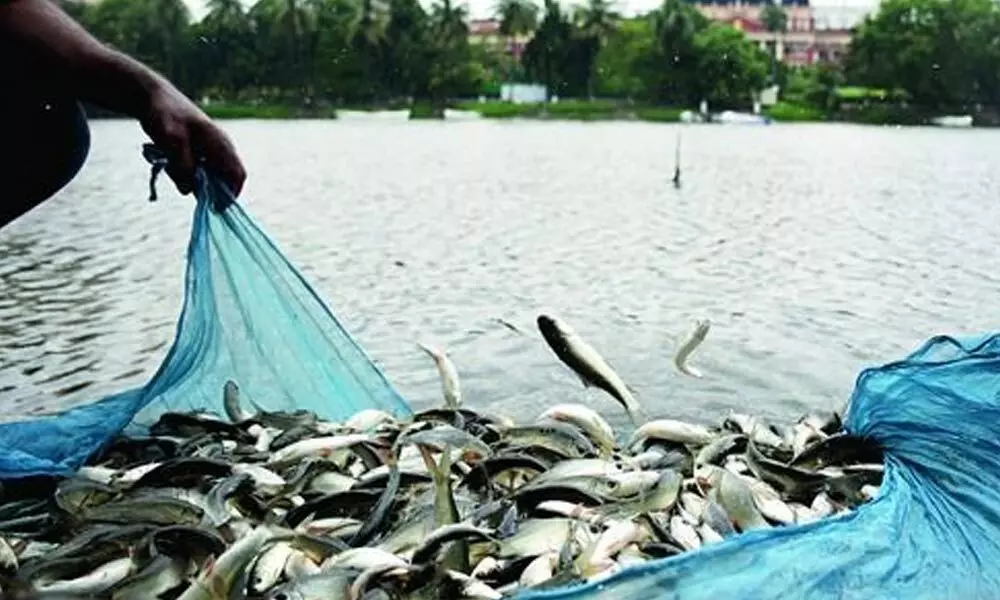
(62, 55)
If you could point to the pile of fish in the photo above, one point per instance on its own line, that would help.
(452, 503)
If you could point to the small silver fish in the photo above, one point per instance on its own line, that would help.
(585, 361)
(671, 431)
(688, 346)
(231, 402)
(587, 420)
(684, 533)
(449, 376)
(96, 582)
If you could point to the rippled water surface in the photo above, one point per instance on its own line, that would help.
(816, 251)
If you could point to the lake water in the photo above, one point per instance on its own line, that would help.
(816, 251)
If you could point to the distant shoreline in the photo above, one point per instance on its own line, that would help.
(567, 110)
(580, 110)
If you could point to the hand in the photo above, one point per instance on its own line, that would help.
(186, 134)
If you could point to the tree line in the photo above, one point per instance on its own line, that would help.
(938, 54)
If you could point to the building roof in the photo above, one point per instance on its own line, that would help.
(749, 2)
(746, 24)
(484, 27)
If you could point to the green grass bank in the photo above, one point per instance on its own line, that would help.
(582, 110)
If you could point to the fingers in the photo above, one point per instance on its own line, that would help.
(181, 166)
(185, 166)
(190, 140)
(220, 156)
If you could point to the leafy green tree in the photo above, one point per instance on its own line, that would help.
(337, 73)
(814, 85)
(547, 54)
(226, 47)
(285, 29)
(673, 68)
(943, 53)
(730, 68)
(517, 18)
(596, 21)
(450, 74)
(622, 65)
(405, 72)
(368, 50)
(775, 20)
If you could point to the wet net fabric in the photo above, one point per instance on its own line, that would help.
(249, 316)
(933, 532)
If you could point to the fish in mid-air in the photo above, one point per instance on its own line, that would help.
(592, 369)
(693, 341)
(449, 375)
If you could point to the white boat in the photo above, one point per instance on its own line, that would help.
(730, 117)
(953, 121)
(374, 115)
(451, 114)
(689, 116)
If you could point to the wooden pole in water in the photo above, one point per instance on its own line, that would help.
(677, 162)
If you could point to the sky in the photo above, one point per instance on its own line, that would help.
(481, 9)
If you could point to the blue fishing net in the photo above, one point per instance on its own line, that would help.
(933, 532)
(248, 316)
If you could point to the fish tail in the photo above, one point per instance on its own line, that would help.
(444, 468)
(429, 462)
(637, 415)
(635, 412)
(432, 352)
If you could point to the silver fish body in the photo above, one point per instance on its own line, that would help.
(694, 339)
(585, 361)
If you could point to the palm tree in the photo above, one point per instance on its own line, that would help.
(367, 42)
(448, 20)
(290, 23)
(366, 24)
(226, 14)
(597, 19)
(775, 20)
(449, 44)
(517, 18)
(167, 24)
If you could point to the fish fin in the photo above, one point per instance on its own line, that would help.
(303, 526)
(566, 552)
(444, 467)
(508, 524)
(510, 326)
(207, 566)
(432, 467)
(256, 407)
(586, 383)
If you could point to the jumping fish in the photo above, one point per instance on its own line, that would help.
(449, 375)
(693, 341)
(592, 369)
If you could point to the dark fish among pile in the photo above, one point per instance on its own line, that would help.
(452, 504)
